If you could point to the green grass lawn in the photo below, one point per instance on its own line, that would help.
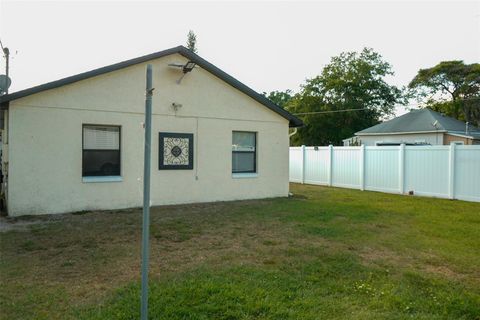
(326, 253)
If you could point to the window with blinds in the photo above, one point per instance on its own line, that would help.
(244, 152)
(101, 151)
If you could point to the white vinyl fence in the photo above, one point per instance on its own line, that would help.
(438, 171)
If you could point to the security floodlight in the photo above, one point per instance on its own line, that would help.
(188, 66)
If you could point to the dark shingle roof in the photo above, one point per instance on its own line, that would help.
(293, 121)
(419, 120)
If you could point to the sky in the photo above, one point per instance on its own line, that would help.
(267, 45)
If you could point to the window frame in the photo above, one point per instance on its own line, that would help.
(119, 148)
(254, 153)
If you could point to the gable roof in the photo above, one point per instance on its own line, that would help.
(417, 121)
(293, 121)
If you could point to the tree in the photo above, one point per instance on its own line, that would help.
(192, 41)
(351, 80)
(450, 87)
(280, 98)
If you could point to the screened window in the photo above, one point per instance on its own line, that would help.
(101, 151)
(244, 152)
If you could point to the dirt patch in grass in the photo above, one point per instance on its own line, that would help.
(19, 224)
(444, 271)
(372, 255)
(420, 261)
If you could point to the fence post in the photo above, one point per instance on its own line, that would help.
(401, 169)
(451, 172)
(303, 164)
(330, 165)
(362, 167)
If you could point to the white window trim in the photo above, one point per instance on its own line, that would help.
(94, 179)
(249, 174)
(89, 179)
(244, 175)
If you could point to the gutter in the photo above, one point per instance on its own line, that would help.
(398, 133)
(462, 135)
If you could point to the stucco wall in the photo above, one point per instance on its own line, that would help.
(45, 158)
(431, 138)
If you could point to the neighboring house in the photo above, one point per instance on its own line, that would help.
(418, 127)
(77, 143)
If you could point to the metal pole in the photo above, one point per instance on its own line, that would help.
(146, 193)
(7, 65)
(6, 53)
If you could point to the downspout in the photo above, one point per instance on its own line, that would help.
(289, 136)
(293, 133)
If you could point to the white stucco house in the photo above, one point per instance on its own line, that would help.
(417, 127)
(77, 143)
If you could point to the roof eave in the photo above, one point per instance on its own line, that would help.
(293, 121)
(474, 137)
(395, 133)
(87, 74)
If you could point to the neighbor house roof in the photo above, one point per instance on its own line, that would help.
(421, 121)
(293, 121)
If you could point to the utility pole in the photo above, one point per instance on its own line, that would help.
(6, 53)
(146, 194)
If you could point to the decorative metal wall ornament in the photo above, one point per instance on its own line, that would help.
(175, 151)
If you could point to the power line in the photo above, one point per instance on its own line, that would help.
(110, 109)
(332, 111)
(360, 109)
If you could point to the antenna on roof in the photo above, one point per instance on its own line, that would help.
(5, 83)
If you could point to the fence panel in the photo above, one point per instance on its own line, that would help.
(382, 165)
(427, 170)
(295, 164)
(438, 171)
(467, 173)
(316, 172)
(346, 167)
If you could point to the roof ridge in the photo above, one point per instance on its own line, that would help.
(419, 120)
(434, 115)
